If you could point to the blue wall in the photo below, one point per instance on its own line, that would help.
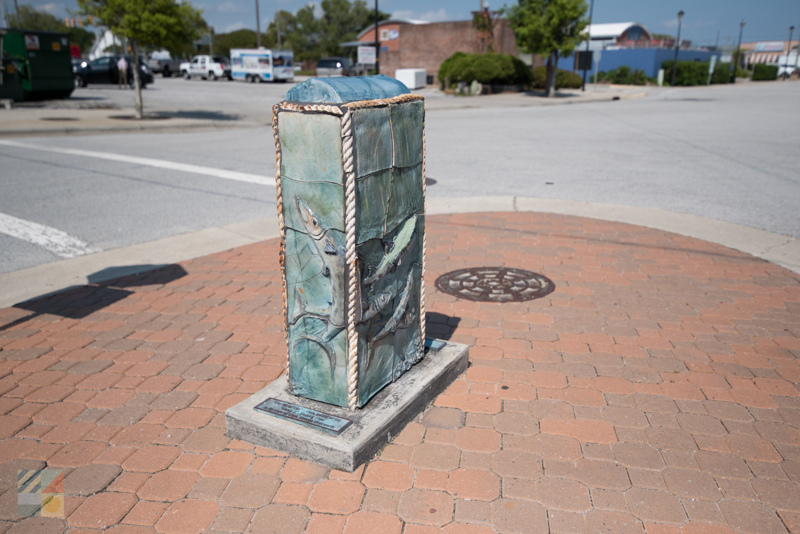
(647, 59)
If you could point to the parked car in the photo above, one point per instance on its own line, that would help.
(206, 67)
(104, 70)
(335, 66)
(162, 63)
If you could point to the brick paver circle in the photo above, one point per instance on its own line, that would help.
(654, 390)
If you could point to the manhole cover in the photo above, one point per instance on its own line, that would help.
(58, 119)
(495, 284)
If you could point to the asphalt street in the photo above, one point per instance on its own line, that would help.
(728, 153)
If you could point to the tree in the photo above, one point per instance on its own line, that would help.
(224, 42)
(155, 24)
(548, 27)
(31, 18)
(341, 21)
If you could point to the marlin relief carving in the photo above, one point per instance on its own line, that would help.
(395, 251)
(332, 255)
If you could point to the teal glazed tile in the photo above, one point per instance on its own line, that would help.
(304, 271)
(372, 196)
(406, 197)
(325, 199)
(309, 370)
(384, 360)
(311, 147)
(372, 138)
(407, 121)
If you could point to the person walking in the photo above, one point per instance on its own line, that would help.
(122, 72)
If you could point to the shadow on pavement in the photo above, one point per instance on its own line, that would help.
(199, 114)
(440, 326)
(105, 288)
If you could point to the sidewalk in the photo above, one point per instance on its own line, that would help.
(38, 121)
(24, 122)
(655, 390)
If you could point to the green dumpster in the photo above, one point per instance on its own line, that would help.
(43, 63)
(10, 87)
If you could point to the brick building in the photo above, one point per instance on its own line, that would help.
(425, 45)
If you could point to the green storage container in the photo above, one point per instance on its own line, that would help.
(44, 61)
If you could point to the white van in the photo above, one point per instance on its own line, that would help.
(262, 65)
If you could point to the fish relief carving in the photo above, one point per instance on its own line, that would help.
(394, 251)
(331, 252)
(402, 317)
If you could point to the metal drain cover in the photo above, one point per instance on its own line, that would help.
(494, 284)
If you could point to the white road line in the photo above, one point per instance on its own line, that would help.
(160, 163)
(58, 242)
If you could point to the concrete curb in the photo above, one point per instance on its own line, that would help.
(25, 284)
(144, 128)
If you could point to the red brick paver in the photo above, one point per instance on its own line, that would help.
(655, 390)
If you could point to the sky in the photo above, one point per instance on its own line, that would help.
(765, 20)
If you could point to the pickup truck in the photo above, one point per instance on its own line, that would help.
(162, 62)
(206, 67)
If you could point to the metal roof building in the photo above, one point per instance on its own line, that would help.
(617, 34)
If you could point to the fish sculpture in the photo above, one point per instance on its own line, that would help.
(395, 251)
(332, 254)
(401, 317)
(369, 308)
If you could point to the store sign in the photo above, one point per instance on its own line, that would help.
(770, 46)
(366, 55)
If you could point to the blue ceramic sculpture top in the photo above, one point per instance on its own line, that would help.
(341, 89)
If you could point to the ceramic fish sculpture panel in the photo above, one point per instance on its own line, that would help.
(384, 144)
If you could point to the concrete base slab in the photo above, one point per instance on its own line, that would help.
(372, 426)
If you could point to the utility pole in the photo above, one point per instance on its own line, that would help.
(16, 12)
(788, 50)
(735, 60)
(258, 27)
(677, 46)
(589, 38)
(278, 27)
(377, 43)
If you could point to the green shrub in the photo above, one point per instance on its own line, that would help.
(765, 72)
(488, 69)
(623, 76)
(688, 72)
(565, 79)
(722, 73)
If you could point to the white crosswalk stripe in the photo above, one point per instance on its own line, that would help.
(58, 242)
(160, 163)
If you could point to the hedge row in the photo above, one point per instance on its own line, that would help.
(623, 76)
(696, 73)
(765, 72)
(488, 69)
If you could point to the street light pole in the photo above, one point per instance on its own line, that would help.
(738, 53)
(789, 47)
(377, 43)
(258, 27)
(591, 10)
(677, 46)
